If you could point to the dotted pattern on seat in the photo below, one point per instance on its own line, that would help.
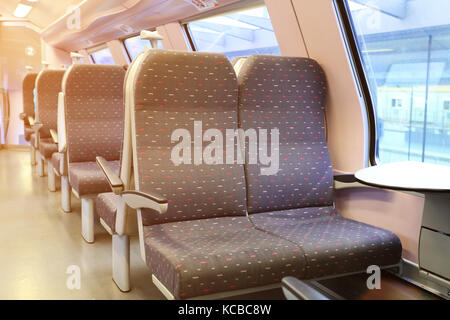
(94, 112)
(288, 94)
(173, 90)
(201, 257)
(28, 85)
(106, 208)
(331, 243)
(48, 86)
(47, 148)
(56, 161)
(86, 178)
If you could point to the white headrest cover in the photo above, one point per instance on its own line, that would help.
(150, 35)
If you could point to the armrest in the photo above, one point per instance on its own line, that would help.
(23, 116)
(295, 289)
(31, 121)
(141, 200)
(36, 126)
(54, 136)
(345, 178)
(114, 180)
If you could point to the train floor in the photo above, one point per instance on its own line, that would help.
(40, 243)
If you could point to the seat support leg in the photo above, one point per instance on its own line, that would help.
(66, 196)
(121, 261)
(40, 164)
(32, 156)
(51, 177)
(87, 219)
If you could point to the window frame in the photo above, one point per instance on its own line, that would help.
(92, 50)
(348, 32)
(231, 8)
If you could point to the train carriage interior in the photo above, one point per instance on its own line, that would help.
(223, 149)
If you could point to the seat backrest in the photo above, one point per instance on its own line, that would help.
(28, 85)
(48, 86)
(172, 90)
(289, 94)
(94, 112)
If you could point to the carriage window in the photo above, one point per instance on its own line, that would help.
(403, 51)
(135, 45)
(102, 56)
(235, 34)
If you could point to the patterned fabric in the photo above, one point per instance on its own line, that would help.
(173, 90)
(288, 94)
(331, 244)
(86, 178)
(201, 257)
(106, 208)
(48, 86)
(56, 161)
(47, 148)
(94, 112)
(28, 85)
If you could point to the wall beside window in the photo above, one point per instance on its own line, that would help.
(405, 55)
(236, 34)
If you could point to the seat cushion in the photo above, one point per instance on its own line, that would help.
(332, 244)
(200, 257)
(86, 178)
(106, 205)
(47, 148)
(56, 161)
(28, 132)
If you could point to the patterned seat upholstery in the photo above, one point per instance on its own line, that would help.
(204, 244)
(200, 257)
(28, 85)
(47, 148)
(56, 161)
(296, 203)
(107, 205)
(94, 123)
(48, 86)
(86, 178)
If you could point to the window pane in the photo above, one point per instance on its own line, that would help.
(405, 50)
(103, 56)
(135, 46)
(237, 34)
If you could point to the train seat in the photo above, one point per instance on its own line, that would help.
(296, 203)
(28, 85)
(93, 104)
(203, 243)
(48, 85)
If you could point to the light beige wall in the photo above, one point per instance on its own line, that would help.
(174, 37)
(55, 57)
(287, 30)
(118, 52)
(13, 60)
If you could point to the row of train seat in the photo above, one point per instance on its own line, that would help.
(204, 230)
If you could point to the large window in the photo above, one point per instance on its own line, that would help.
(102, 56)
(135, 45)
(235, 34)
(403, 56)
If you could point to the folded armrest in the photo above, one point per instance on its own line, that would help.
(23, 116)
(54, 136)
(141, 200)
(295, 289)
(114, 180)
(31, 121)
(345, 178)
